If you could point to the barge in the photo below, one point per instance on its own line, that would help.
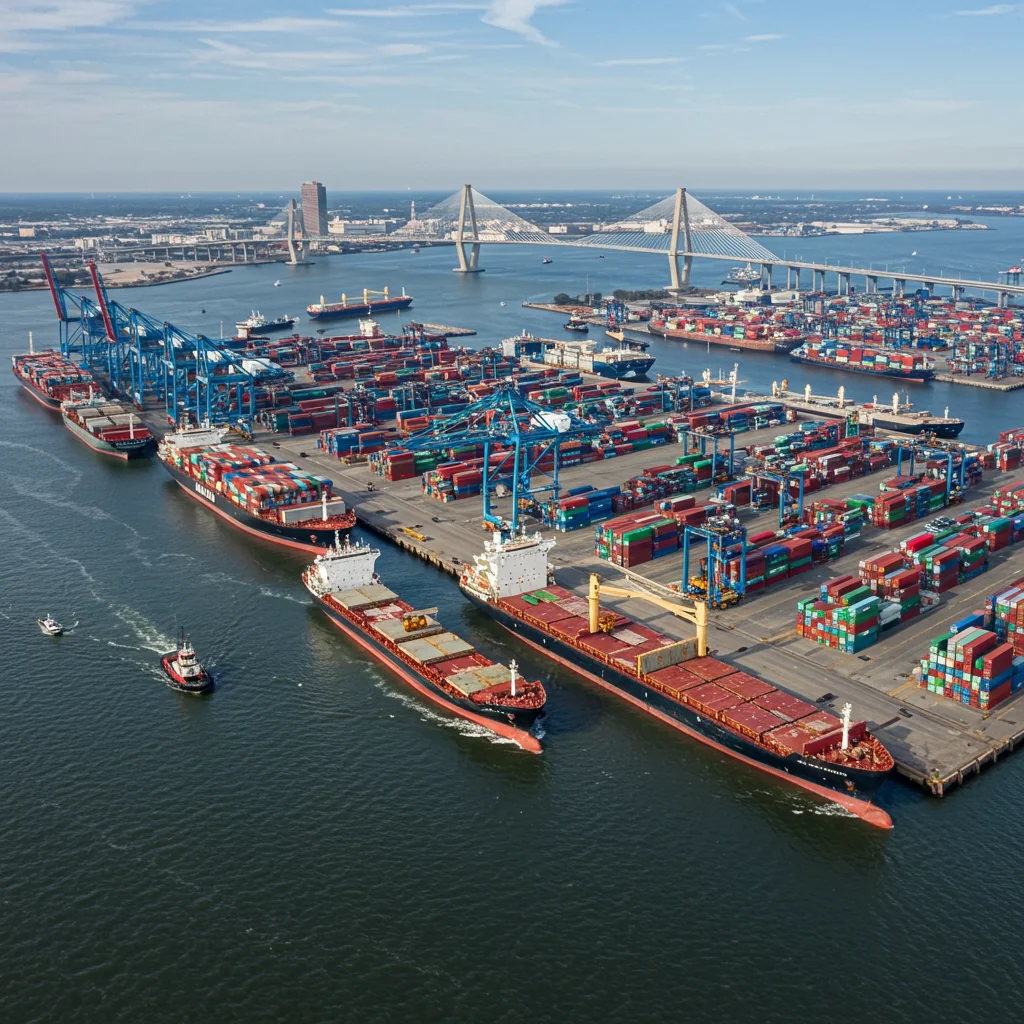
(909, 366)
(439, 665)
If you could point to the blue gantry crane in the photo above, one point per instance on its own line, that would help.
(518, 437)
(790, 509)
(80, 325)
(923, 453)
(723, 538)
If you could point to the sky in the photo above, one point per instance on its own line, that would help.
(151, 95)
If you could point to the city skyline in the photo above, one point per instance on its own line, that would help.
(508, 93)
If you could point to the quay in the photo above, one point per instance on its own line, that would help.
(1009, 384)
(937, 743)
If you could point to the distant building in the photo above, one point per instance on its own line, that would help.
(26, 232)
(314, 209)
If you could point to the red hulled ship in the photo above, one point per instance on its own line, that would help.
(709, 700)
(439, 665)
(254, 492)
(50, 378)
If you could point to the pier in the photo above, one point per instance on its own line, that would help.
(937, 743)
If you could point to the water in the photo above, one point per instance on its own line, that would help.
(313, 843)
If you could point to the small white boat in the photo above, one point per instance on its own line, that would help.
(503, 303)
(277, 284)
(50, 626)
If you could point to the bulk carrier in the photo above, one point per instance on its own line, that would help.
(50, 378)
(324, 310)
(908, 366)
(732, 711)
(108, 427)
(439, 665)
(252, 491)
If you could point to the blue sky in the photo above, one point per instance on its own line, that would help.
(154, 95)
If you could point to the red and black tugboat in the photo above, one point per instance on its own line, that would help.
(184, 671)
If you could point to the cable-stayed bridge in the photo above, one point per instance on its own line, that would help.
(678, 227)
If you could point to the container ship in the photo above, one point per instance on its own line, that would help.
(732, 711)
(50, 378)
(756, 338)
(254, 492)
(909, 366)
(626, 361)
(436, 663)
(351, 306)
(108, 427)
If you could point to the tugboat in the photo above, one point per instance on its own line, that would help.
(546, 260)
(184, 671)
(578, 324)
(50, 626)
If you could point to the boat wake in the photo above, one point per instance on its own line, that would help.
(464, 728)
(66, 466)
(149, 636)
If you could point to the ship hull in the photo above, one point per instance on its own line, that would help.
(44, 400)
(495, 719)
(128, 450)
(624, 369)
(850, 787)
(749, 344)
(912, 376)
(191, 686)
(946, 431)
(339, 312)
(299, 536)
(275, 325)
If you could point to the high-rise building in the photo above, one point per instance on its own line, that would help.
(314, 209)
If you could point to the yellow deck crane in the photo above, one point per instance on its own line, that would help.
(697, 616)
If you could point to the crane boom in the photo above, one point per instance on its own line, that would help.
(698, 616)
(57, 293)
(101, 298)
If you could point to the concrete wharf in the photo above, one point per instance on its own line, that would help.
(936, 742)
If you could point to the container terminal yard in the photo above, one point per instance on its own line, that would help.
(349, 433)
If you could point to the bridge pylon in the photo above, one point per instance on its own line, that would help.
(472, 265)
(680, 219)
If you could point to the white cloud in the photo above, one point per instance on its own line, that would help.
(404, 10)
(620, 62)
(282, 26)
(515, 15)
(18, 17)
(735, 12)
(401, 49)
(70, 75)
(984, 12)
(764, 37)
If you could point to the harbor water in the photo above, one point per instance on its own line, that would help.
(312, 842)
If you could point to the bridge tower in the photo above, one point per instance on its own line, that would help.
(296, 256)
(680, 218)
(472, 266)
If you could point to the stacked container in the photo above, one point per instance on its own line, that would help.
(972, 667)
(846, 616)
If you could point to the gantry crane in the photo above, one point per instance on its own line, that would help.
(523, 433)
(697, 616)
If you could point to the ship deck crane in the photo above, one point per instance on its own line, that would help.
(697, 616)
(527, 434)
